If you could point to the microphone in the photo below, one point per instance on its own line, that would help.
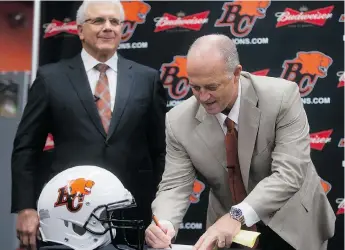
(96, 98)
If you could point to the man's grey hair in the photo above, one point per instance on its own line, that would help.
(81, 13)
(219, 43)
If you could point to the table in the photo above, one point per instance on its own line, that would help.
(111, 247)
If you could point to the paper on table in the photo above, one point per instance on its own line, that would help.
(175, 247)
(246, 238)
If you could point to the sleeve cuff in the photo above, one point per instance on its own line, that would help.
(250, 216)
(166, 223)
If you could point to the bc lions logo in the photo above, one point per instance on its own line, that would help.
(73, 194)
(305, 69)
(242, 15)
(174, 77)
(198, 188)
(135, 13)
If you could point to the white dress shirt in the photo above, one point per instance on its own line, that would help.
(93, 74)
(250, 216)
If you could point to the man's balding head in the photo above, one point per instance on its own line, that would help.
(213, 71)
(209, 48)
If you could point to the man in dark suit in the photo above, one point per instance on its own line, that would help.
(102, 109)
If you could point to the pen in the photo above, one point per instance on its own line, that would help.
(157, 224)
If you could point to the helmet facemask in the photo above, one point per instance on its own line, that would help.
(104, 214)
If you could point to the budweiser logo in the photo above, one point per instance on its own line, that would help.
(319, 139)
(191, 22)
(316, 17)
(56, 27)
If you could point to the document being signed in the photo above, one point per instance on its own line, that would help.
(244, 237)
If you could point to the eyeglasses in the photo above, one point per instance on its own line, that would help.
(101, 21)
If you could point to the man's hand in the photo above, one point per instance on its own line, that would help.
(220, 233)
(27, 227)
(157, 237)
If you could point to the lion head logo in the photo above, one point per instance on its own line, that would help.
(135, 13)
(198, 188)
(314, 63)
(252, 8)
(80, 186)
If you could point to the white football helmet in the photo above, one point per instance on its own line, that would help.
(75, 208)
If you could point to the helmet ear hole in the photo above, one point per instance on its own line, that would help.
(78, 230)
(103, 215)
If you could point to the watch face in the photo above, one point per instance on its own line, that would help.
(236, 212)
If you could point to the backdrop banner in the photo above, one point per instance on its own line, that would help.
(301, 41)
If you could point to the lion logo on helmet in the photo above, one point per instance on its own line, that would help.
(72, 195)
(80, 186)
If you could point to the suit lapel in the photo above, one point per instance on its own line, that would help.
(77, 75)
(248, 124)
(211, 133)
(124, 84)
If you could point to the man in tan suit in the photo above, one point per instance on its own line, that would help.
(284, 198)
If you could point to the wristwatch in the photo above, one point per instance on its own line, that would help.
(236, 214)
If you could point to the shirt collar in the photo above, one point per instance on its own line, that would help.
(235, 110)
(90, 62)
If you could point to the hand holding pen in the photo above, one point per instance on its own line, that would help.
(158, 225)
(158, 235)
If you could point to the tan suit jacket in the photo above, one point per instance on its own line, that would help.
(281, 181)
